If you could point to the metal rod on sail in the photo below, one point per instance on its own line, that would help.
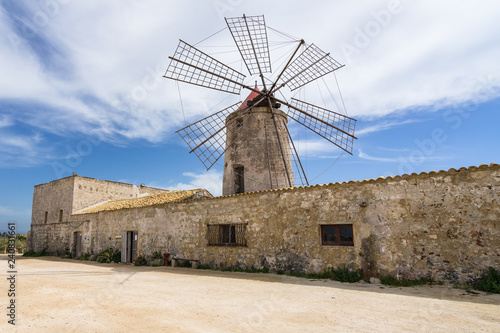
(286, 66)
(214, 74)
(298, 159)
(279, 140)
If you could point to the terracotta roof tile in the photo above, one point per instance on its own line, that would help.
(150, 200)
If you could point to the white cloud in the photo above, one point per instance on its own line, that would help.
(384, 125)
(99, 65)
(418, 159)
(6, 121)
(22, 150)
(379, 159)
(315, 147)
(210, 180)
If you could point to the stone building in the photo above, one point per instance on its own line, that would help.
(444, 225)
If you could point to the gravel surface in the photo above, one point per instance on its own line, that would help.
(64, 295)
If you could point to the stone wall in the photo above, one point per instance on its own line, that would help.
(71, 194)
(90, 191)
(441, 224)
(51, 198)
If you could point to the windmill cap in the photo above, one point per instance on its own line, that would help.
(253, 99)
(250, 97)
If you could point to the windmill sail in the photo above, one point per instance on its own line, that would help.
(193, 66)
(250, 35)
(207, 137)
(333, 126)
(310, 65)
(253, 136)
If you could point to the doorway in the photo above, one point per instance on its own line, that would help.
(129, 246)
(77, 244)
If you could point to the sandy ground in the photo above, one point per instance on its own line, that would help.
(63, 295)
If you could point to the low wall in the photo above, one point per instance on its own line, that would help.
(439, 224)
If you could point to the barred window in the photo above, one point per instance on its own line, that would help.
(227, 234)
(337, 234)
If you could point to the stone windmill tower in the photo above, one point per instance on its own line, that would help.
(263, 168)
(253, 135)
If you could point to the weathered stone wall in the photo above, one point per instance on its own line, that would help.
(257, 129)
(90, 191)
(51, 198)
(444, 224)
(71, 194)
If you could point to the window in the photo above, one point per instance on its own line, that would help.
(227, 234)
(337, 234)
(239, 122)
(46, 217)
(239, 177)
(60, 215)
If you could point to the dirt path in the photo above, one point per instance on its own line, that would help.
(56, 295)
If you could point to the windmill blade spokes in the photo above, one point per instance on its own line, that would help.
(206, 137)
(333, 126)
(250, 35)
(192, 66)
(310, 65)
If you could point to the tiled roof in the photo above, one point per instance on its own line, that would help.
(379, 179)
(150, 200)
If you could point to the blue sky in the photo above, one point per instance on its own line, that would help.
(82, 91)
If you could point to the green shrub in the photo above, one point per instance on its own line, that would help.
(342, 274)
(29, 253)
(140, 261)
(489, 281)
(20, 237)
(392, 281)
(84, 256)
(245, 270)
(157, 255)
(109, 255)
(117, 256)
(185, 263)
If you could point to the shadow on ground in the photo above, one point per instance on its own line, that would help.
(443, 292)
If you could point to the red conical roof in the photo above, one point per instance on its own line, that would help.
(250, 97)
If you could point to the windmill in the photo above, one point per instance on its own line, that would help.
(253, 135)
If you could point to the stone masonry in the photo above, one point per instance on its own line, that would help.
(444, 225)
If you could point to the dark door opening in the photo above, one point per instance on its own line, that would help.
(129, 246)
(77, 244)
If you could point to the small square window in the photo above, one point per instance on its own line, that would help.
(337, 234)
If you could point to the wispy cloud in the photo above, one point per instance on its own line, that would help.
(385, 125)
(401, 158)
(379, 159)
(6, 121)
(22, 150)
(315, 147)
(210, 180)
(94, 65)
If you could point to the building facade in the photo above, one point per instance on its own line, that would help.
(444, 225)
